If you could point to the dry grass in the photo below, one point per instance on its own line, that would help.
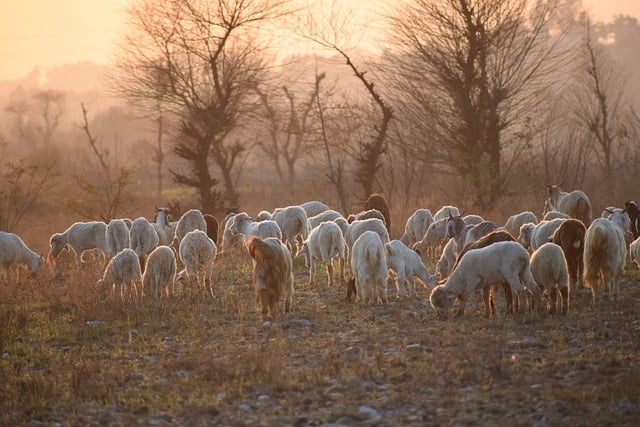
(70, 355)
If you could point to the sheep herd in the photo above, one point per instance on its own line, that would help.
(527, 259)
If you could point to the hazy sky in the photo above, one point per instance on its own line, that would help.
(54, 32)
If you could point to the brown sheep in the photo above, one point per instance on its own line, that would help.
(272, 274)
(570, 237)
(378, 202)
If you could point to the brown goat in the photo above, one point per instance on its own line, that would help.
(272, 274)
(371, 213)
(570, 237)
(212, 227)
(378, 202)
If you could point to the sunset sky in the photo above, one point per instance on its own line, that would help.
(50, 33)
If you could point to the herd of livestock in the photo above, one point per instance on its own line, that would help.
(536, 264)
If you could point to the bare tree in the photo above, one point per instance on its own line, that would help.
(51, 108)
(472, 71)
(208, 60)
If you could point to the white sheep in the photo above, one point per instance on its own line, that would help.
(447, 259)
(160, 272)
(481, 269)
(144, 239)
(242, 224)
(80, 237)
(325, 242)
(407, 266)
(314, 207)
(293, 224)
(369, 267)
(605, 252)
(416, 226)
(117, 237)
(197, 253)
(328, 215)
(192, 219)
(550, 271)
(123, 270)
(514, 222)
(532, 236)
(576, 204)
(14, 254)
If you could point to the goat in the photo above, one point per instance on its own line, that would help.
(416, 227)
(314, 208)
(605, 252)
(123, 270)
(79, 237)
(514, 222)
(631, 207)
(435, 237)
(117, 237)
(549, 269)
(445, 212)
(192, 219)
(352, 231)
(212, 227)
(328, 215)
(532, 236)
(230, 240)
(570, 237)
(144, 239)
(197, 253)
(242, 224)
(14, 253)
(272, 274)
(324, 242)
(407, 266)
(163, 226)
(481, 268)
(444, 266)
(379, 203)
(634, 249)
(160, 271)
(369, 268)
(575, 204)
(293, 224)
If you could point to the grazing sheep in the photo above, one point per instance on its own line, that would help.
(272, 274)
(549, 269)
(197, 253)
(328, 215)
(242, 224)
(371, 213)
(325, 242)
(212, 227)
(482, 268)
(160, 272)
(190, 220)
(117, 237)
(369, 268)
(407, 266)
(570, 237)
(445, 212)
(314, 208)
(80, 237)
(605, 252)
(230, 240)
(123, 270)
(14, 253)
(293, 224)
(416, 227)
(576, 204)
(514, 222)
(379, 203)
(144, 239)
(532, 236)
(444, 266)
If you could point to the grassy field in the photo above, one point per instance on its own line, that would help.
(70, 356)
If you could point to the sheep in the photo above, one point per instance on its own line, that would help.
(160, 271)
(230, 240)
(417, 226)
(481, 268)
(117, 237)
(14, 253)
(514, 222)
(324, 242)
(444, 266)
(79, 237)
(314, 208)
(379, 203)
(445, 212)
(163, 226)
(369, 267)
(576, 204)
(634, 249)
(570, 237)
(144, 239)
(212, 227)
(407, 265)
(123, 270)
(549, 269)
(532, 236)
(190, 220)
(198, 253)
(293, 224)
(605, 252)
(328, 215)
(242, 224)
(272, 274)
